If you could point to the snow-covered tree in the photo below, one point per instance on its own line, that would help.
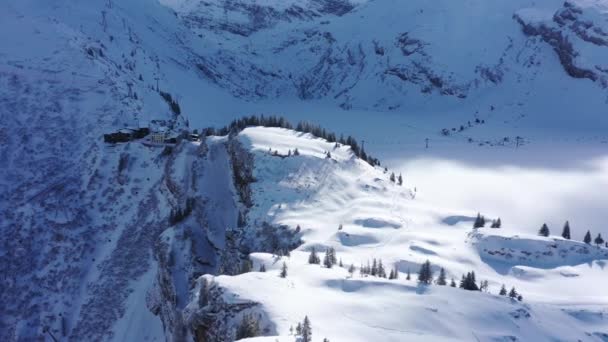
(496, 223)
(284, 270)
(453, 283)
(513, 294)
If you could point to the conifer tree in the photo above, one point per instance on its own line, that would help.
(566, 231)
(599, 240)
(513, 293)
(496, 224)
(425, 276)
(381, 270)
(392, 178)
(544, 230)
(351, 269)
(262, 268)
(340, 263)
(299, 329)
(391, 275)
(587, 239)
(503, 290)
(306, 330)
(479, 221)
(408, 276)
(400, 180)
(332, 256)
(313, 258)
(396, 273)
(441, 279)
(453, 283)
(284, 270)
(296, 152)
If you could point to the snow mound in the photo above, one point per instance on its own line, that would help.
(534, 251)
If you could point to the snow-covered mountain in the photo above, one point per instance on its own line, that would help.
(92, 248)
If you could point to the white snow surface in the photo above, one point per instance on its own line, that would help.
(559, 279)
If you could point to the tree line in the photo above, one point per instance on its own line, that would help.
(238, 125)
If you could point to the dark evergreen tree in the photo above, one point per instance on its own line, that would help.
(599, 240)
(587, 239)
(480, 221)
(503, 290)
(468, 282)
(400, 180)
(425, 275)
(340, 263)
(392, 177)
(496, 224)
(520, 297)
(544, 230)
(381, 270)
(408, 276)
(306, 330)
(296, 152)
(284, 270)
(262, 268)
(453, 283)
(351, 269)
(299, 329)
(441, 280)
(313, 258)
(513, 293)
(391, 275)
(566, 231)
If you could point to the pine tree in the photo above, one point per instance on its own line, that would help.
(544, 230)
(566, 231)
(262, 268)
(513, 293)
(503, 290)
(306, 330)
(340, 263)
(408, 276)
(392, 178)
(453, 283)
(296, 152)
(587, 239)
(425, 276)
(374, 270)
(327, 259)
(313, 258)
(599, 240)
(400, 180)
(479, 221)
(381, 270)
(496, 224)
(520, 297)
(391, 275)
(284, 270)
(441, 279)
(396, 273)
(332, 256)
(351, 269)
(299, 329)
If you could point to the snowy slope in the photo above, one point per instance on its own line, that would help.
(88, 250)
(383, 220)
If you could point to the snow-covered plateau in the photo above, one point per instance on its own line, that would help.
(127, 214)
